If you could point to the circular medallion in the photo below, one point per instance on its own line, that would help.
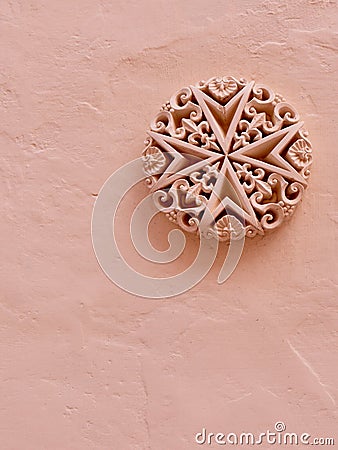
(227, 131)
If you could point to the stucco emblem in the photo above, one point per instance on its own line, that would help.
(233, 129)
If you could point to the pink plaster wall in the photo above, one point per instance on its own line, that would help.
(84, 365)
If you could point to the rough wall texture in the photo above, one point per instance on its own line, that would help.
(87, 366)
